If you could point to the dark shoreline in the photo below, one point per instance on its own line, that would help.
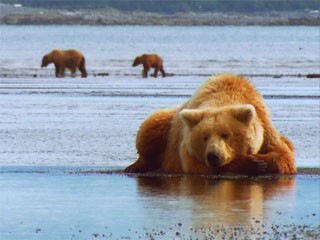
(12, 74)
(10, 15)
(302, 171)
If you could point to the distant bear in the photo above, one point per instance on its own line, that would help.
(150, 61)
(224, 127)
(62, 59)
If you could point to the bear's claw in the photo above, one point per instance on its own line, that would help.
(259, 166)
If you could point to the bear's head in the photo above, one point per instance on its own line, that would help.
(216, 136)
(45, 61)
(137, 61)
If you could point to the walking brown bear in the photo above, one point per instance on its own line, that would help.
(150, 61)
(62, 59)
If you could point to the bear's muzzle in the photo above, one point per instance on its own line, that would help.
(213, 160)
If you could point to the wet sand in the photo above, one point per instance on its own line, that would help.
(94, 121)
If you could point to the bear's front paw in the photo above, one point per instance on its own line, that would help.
(256, 166)
(138, 167)
(134, 168)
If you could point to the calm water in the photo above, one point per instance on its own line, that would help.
(51, 128)
(54, 203)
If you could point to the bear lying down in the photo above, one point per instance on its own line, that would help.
(224, 127)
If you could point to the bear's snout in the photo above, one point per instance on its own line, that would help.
(213, 159)
(44, 63)
(135, 63)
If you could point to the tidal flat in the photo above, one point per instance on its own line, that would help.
(64, 142)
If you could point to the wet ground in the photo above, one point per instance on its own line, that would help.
(94, 121)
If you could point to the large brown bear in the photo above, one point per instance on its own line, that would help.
(224, 127)
(62, 59)
(150, 61)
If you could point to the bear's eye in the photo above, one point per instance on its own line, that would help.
(205, 138)
(224, 136)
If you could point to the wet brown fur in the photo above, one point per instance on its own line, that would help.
(150, 61)
(62, 59)
(160, 136)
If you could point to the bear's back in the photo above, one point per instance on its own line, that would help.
(153, 60)
(69, 52)
(225, 90)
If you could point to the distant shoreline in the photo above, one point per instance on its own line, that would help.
(11, 15)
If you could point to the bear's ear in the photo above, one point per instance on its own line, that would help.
(191, 117)
(244, 113)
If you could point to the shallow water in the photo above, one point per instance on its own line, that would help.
(66, 203)
(185, 50)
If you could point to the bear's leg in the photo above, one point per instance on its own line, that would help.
(82, 68)
(287, 142)
(151, 141)
(61, 71)
(145, 71)
(155, 74)
(162, 72)
(244, 165)
(73, 71)
(280, 159)
(57, 69)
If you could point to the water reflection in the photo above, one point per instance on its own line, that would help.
(207, 201)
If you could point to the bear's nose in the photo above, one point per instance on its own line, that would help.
(213, 159)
